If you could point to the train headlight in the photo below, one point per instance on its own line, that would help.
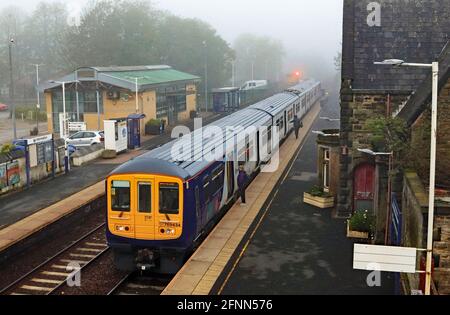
(170, 231)
(122, 228)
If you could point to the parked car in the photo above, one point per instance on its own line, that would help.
(3, 107)
(86, 138)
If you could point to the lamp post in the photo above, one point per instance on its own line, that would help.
(323, 134)
(38, 105)
(11, 87)
(233, 73)
(137, 93)
(206, 75)
(434, 106)
(63, 132)
(330, 119)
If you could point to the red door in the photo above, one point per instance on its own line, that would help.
(364, 187)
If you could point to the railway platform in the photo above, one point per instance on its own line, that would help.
(200, 274)
(278, 244)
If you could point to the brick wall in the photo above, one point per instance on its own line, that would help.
(442, 250)
(413, 30)
(414, 231)
(420, 141)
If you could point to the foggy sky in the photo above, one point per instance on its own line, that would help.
(310, 30)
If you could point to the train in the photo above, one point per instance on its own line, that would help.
(160, 207)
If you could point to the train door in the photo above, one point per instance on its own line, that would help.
(198, 210)
(169, 208)
(121, 206)
(230, 179)
(285, 123)
(144, 214)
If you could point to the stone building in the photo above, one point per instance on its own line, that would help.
(417, 114)
(413, 31)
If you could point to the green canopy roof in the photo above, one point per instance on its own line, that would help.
(151, 77)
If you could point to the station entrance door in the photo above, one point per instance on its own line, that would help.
(364, 187)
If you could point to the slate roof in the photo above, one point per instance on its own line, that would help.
(411, 30)
(422, 96)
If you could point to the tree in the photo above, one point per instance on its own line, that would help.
(112, 33)
(187, 44)
(261, 56)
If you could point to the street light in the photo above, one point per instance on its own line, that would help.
(321, 133)
(330, 119)
(434, 106)
(206, 75)
(11, 86)
(38, 105)
(137, 93)
(63, 131)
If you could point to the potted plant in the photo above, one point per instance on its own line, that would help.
(152, 127)
(361, 225)
(317, 197)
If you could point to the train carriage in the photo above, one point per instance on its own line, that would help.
(160, 205)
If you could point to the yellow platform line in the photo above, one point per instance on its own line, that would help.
(200, 273)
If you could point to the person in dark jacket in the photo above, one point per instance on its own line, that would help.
(297, 125)
(242, 183)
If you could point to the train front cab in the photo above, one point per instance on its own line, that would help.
(145, 212)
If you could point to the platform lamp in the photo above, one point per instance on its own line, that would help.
(137, 93)
(434, 107)
(38, 105)
(63, 132)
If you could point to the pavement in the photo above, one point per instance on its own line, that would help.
(19, 205)
(299, 249)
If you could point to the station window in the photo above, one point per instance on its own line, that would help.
(120, 196)
(145, 197)
(169, 198)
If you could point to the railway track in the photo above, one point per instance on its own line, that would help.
(137, 284)
(56, 270)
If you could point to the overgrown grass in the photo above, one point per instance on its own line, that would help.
(29, 113)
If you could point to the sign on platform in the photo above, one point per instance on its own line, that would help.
(40, 139)
(384, 258)
(77, 126)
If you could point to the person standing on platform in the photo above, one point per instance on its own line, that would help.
(242, 183)
(297, 125)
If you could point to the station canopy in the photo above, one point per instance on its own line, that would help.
(148, 77)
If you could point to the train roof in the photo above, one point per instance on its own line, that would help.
(160, 160)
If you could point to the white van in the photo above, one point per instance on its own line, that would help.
(254, 84)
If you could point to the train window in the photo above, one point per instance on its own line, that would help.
(217, 178)
(290, 115)
(169, 198)
(120, 195)
(145, 197)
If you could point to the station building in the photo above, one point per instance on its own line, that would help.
(416, 32)
(95, 94)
